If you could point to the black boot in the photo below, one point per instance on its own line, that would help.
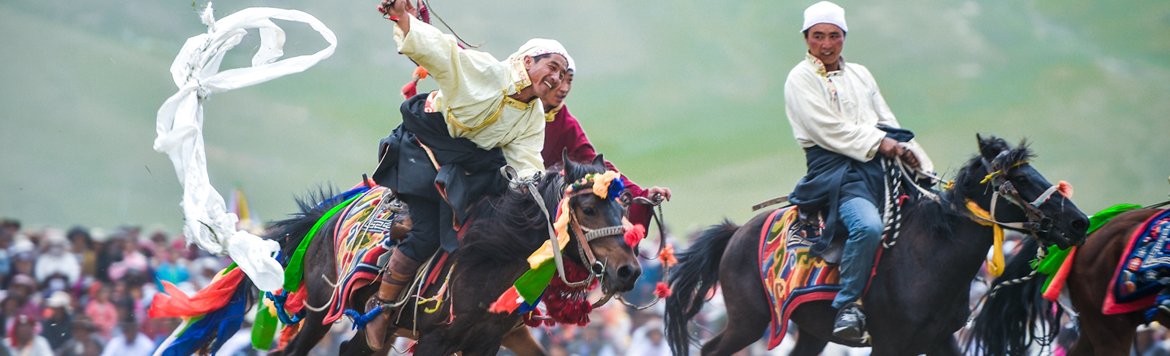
(850, 323)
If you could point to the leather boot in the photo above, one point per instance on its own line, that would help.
(401, 270)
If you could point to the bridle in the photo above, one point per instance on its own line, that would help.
(583, 235)
(1037, 222)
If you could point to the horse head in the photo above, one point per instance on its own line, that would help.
(1018, 196)
(596, 218)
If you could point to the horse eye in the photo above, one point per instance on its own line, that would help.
(588, 210)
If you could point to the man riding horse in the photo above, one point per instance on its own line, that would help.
(839, 117)
(486, 114)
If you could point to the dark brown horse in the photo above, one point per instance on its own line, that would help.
(919, 296)
(503, 232)
(1016, 318)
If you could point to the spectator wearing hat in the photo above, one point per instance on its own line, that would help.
(84, 340)
(23, 340)
(129, 342)
(57, 327)
(57, 261)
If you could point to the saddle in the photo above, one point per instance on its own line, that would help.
(809, 226)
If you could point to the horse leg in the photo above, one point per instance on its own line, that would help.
(747, 309)
(1104, 335)
(521, 342)
(808, 343)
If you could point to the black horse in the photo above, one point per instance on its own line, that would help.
(919, 295)
(503, 232)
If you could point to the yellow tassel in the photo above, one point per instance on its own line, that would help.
(601, 183)
(995, 264)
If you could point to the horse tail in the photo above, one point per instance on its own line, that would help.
(692, 280)
(1014, 313)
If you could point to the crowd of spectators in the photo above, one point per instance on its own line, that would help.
(85, 292)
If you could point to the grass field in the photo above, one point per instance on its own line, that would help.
(683, 95)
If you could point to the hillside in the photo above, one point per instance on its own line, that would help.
(682, 95)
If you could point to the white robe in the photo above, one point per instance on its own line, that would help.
(840, 110)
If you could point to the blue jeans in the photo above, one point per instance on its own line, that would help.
(865, 235)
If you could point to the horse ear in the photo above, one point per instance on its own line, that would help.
(565, 158)
(599, 161)
(991, 146)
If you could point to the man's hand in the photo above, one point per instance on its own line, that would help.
(893, 149)
(398, 11)
(659, 194)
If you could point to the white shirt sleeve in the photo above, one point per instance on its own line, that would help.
(810, 112)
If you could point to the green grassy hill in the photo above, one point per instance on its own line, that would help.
(686, 95)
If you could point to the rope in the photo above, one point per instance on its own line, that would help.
(360, 320)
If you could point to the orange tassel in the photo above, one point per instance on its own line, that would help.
(667, 256)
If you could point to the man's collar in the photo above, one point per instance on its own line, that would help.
(551, 115)
(820, 66)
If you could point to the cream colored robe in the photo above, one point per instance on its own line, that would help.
(473, 95)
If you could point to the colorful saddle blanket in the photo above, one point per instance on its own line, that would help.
(361, 241)
(1144, 271)
(790, 274)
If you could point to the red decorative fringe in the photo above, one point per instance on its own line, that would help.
(175, 303)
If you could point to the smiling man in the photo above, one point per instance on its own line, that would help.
(486, 113)
(839, 117)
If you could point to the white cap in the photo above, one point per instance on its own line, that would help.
(824, 12)
(540, 46)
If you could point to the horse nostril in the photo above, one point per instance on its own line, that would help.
(628, 272)
(1080, 225)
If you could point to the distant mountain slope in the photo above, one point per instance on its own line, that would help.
(687, 95)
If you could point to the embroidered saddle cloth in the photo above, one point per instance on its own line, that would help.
(1143, 273)
(361, 242)
(791, 275)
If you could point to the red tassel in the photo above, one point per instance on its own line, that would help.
(635, 235)
(662, 290)
(507, 302)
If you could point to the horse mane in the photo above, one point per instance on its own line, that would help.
(967, 185)
(510, 227)
(311, 207)
(1018, 316)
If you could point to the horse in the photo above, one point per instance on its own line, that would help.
(918, 296)
(501, 233)
(1016, 317)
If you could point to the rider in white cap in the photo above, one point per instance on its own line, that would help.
(486, 113)
(839, 117)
